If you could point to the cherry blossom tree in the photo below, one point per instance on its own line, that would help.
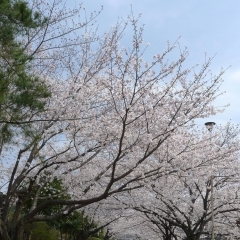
(178, 205)
(110, 117)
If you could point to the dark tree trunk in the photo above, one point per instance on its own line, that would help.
(4, 231)
(17, 233)
(82, 236)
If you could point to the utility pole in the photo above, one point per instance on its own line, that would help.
(212, 208)
(210, 126)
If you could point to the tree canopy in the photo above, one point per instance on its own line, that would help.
(88, 125)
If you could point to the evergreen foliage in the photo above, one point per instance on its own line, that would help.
(75, 226)
(20, 91)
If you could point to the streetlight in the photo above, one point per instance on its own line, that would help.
(209, 126)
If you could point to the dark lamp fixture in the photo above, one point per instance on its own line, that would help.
(209, 125)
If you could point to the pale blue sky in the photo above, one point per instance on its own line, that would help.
(211, 26)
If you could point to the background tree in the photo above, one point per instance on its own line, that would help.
(79, 227)
(40, 231)
(75, 226)
(178, 205)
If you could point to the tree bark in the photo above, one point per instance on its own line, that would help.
(3, 231)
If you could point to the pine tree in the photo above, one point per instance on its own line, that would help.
(20, 91)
